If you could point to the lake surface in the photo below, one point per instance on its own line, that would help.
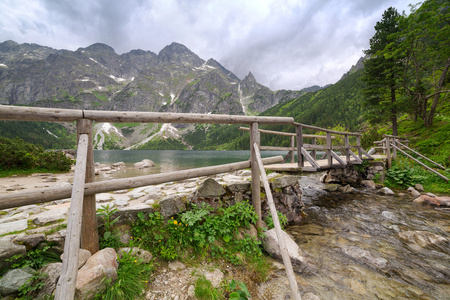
(173, 160)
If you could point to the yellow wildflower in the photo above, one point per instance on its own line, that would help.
(175, 222)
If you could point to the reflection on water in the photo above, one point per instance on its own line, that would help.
(358, 242)
(173, 160)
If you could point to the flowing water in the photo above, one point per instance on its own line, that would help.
(364, 245)
(355, 242)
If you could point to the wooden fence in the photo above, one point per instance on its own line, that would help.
(396, 143)
(299, 145)
(82, 221)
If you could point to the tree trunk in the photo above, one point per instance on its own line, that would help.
(429, 119)
(393, 113)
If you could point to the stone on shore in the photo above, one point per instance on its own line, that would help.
(8, 249)
(13, 226)
(145, 163)
(91, 277)
(366, 257)
(53, 272)
(210, 189)
(11, 282)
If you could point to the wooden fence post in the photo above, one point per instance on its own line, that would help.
(314, 151)
(358, 145)
(276, 222)
(394, 150)
(329, 148)
(299, 135)
(293, 149)
(89, 231)
(388, 152)
(65, 288)
(256, 180)
(347, 148)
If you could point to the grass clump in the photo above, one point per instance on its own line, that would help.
(132, 278)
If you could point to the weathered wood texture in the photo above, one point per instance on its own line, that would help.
(276, 222)
(68, 115)
(256, 180)
(51, 194)
(89, 232)
(328, 130)
(286, 133)
(65, 289)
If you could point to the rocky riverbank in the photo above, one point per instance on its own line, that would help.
(26, 227)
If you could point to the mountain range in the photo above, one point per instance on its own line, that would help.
(96, 77)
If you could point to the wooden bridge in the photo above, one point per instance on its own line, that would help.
(82, 221)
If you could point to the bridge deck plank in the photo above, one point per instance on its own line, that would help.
(293, 167)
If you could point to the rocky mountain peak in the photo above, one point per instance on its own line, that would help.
(178, 53)
(249, 78)
(98, 47)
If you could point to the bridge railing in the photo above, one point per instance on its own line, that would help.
(396, 143)
(82, 220)
(328, 141)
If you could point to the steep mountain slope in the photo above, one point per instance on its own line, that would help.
(96, 77)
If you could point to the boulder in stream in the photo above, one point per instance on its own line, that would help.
(299, 259)
(433, 201)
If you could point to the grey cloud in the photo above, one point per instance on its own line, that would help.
(285, 43)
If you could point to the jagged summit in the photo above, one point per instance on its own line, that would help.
(98, 47)
(179, 53)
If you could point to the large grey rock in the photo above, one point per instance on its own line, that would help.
(11, 282)
(413, 192)
(369, 184)
(300, 262)
(13, 226)
(91, 277)
(16, 217)
(210, 189)
(145, 163)
(9, 249)
(50, 216)
(128, 214)
(419, 187)
(365, 257)
(30, 241)
(283, 181)
(241, 187)
(422, 238)
(386, 191)
(172, 205)
(53, 272)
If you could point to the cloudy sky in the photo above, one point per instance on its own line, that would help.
(286, 44)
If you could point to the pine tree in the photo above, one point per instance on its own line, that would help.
(382, 73)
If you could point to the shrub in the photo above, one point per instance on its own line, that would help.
(17, 154)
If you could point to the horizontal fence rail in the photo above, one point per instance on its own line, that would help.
(18, 113)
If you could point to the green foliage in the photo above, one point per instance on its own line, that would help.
(32, 286)
(282, 218)
(201, 229)
(16, 154)
(238, 290)
(132, 278)
(109, 238)
(35, 258)
(382, 72)
(405, 173)
(204, 289)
